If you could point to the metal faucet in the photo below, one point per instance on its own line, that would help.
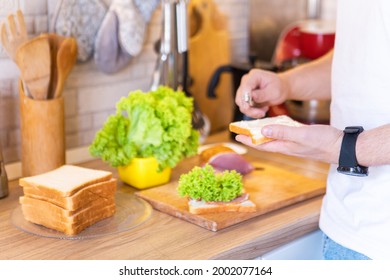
(3, 177)
(313, 9)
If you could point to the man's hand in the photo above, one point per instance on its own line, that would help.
(319, 142)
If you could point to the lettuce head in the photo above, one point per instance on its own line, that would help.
(152, 124)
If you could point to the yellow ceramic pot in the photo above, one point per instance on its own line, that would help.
(142, 173)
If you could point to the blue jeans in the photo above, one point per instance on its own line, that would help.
(334, 251)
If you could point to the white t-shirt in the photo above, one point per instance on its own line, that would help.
(356, 210)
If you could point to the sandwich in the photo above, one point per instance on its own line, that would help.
(252, 128)
(210, 192)
(68, 199)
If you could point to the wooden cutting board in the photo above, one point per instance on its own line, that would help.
(209, 48)
(269, 187)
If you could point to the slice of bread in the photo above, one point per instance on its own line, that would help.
(32, 214)
(240, 204)
(252, 128)
(36, 209)
(68, 199)
(202, 207)
(78, 200)
(65, 180)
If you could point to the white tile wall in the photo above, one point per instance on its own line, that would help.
(329, 9)
(90, 95)
(34, 7)
(8, 6)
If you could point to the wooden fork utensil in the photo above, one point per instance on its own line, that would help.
(16, 35)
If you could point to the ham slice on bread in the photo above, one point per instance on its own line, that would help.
(239, 204)
(210, 191)
(252, 128)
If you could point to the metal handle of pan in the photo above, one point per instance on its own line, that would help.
(182, 26)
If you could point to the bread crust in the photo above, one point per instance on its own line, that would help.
(252, 128)
(79, 199)
(218, 208)
(68, 199)
(236, 128)
(66, 180)
(67, 228)
(202, 207)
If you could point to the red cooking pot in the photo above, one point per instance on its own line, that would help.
(308, 39)
(316, 38)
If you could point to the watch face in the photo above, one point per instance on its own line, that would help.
(353, 129)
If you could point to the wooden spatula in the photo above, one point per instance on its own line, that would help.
(33, 59)
(66, 58)
(16, 35)
(55, 41)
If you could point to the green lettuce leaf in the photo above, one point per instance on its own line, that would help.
(202, 183)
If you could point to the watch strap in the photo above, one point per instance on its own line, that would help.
(348, 163)
(348, 149)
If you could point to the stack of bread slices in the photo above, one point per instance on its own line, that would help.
(68, 199)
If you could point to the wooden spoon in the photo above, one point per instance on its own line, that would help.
(33, 59)
(55, 42)
(66, 58)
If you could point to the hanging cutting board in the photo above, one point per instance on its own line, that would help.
(209, 48)
(269, 187)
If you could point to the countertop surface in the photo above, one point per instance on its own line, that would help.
(165, 237)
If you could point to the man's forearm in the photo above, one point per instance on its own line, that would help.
(311, 80)
(373, 148)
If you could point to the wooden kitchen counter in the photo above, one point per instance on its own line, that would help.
(166, 237)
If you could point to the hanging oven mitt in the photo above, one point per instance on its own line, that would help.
(109, 55)
(80, 19)
(132, 26)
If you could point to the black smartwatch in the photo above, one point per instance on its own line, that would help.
(348, 164)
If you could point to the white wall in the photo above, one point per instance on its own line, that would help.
(90, 95)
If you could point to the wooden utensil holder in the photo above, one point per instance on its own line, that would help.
(42, 134)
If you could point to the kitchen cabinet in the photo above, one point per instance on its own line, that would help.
(307, 247)
(166, 237)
